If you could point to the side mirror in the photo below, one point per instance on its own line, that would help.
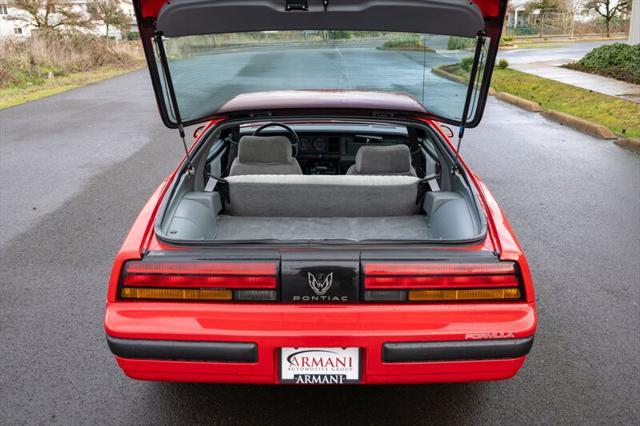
(447, 130)
(197, 132)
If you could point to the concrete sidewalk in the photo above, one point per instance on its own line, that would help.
(595, 83)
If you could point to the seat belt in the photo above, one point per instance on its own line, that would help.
(222, 184)
(423, 188)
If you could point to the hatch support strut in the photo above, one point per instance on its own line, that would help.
(467, 101)
(174, 100)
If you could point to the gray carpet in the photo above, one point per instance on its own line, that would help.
(331, 228)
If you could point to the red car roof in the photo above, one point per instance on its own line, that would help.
(301, 99)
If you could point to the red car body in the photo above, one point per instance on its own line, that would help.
(365, 326)
(472, 341)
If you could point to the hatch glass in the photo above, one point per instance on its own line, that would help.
(209, 70)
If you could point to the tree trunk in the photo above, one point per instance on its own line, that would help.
(107, 31)
(608, 30)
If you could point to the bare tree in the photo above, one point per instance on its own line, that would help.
(49, 14)
(546, 5)
(108, 12)
(608, 9)
(545, 8)
(577, 6)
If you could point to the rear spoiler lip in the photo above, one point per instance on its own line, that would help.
(271, 254)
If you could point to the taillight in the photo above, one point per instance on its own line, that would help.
(441, 282)
(204, 281)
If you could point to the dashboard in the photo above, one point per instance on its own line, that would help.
(314, 144)
(331, 148)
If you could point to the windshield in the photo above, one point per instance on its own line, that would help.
(209, 70)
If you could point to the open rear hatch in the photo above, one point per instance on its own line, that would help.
(202, 54)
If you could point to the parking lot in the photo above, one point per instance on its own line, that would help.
(76, 168)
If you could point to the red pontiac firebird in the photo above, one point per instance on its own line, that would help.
(322, 228)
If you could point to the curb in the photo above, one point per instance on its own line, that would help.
(407, 49)
(519, 102)
(444, 74)
(580, 124)
(596, 130)
(632, 144)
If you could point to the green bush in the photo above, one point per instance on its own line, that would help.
(404, 42)
(612, 55)
(503, 64)
(339, 35)
(466, 63)
(460, 43)
(618, 60)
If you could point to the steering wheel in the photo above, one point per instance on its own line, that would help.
(293, 136)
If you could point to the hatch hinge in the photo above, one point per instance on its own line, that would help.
(174, 100)
(297, 5)
(455, 168)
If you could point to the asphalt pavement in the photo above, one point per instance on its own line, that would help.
(88, 159)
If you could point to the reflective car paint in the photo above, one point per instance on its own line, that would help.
(277, 325)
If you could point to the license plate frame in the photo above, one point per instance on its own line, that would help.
(335, 368)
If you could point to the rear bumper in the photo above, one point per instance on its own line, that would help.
(240, 343)
(171, 350)
(456, 351)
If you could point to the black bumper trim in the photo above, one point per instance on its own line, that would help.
(183, 350)
(456, 350)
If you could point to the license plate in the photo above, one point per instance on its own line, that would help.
(320, 366)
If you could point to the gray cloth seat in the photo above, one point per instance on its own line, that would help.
(383, 160)
(264, 155)
(322, 196)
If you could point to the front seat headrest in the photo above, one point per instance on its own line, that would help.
(264, 149)
(264, 155)
(383, 160)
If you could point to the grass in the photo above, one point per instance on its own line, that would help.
(619, 115)
(12, 96)
(51, 62)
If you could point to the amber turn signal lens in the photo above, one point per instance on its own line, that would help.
(464, 294)
(175, 294)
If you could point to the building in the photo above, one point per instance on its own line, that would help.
(12, 28)
(634, 30)
(517, 14)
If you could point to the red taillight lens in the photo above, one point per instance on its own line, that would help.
(199, 280)
(433, 281)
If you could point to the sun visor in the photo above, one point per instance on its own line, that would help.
(197, 17)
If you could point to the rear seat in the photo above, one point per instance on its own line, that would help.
(322, 195)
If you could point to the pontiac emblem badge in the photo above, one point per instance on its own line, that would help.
(321, 283)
